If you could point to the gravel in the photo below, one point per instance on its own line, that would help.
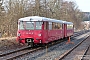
(52, 52)
(9, 45)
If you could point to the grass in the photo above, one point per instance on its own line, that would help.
(7, 41)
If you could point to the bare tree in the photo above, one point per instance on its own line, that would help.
(57, 9)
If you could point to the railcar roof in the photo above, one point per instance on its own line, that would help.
(37, 18)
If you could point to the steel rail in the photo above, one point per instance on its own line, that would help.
(7, 53)
(69, 51)
(29, 51)
(9, 58)
(85, 52)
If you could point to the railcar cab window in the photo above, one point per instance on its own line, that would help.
(25, 25)
(38, 25)
(30, 25)
(69, 26)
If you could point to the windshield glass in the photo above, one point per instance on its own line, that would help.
(30, 25)
(26, 25)
(38, 25)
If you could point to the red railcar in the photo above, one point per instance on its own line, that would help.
(39, 30)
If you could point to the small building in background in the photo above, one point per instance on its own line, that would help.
(86, 25)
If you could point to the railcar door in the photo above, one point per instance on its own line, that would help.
(45, 32)
(65, 30)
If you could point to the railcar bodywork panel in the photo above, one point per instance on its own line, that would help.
(35, 34)
(70, 32)
(37, 30)
(55, 35)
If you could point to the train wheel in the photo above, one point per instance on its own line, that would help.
(43, 45)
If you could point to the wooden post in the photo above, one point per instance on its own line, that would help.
(46, 50)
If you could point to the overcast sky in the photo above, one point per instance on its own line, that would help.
(84, 5)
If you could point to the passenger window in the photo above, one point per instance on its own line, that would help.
(56, 26)
(50, 25)
(45, 25)
(53, 26)
(59, 26)
(69, 26)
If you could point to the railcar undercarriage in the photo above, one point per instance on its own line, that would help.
(29, 42)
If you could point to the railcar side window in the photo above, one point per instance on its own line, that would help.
(46, 25)
(69, 26)
(21, 26)
(53, 26)
(56, 26)
(59, 26)
(50, 25)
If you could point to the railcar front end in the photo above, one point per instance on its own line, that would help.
(29, 32)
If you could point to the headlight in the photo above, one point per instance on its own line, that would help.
(19, 34)
(39, 34)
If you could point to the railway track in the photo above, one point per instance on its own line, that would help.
(82, 57)
(87, 54)
(4, 54)
(77, 52)
(18, 53)
(60, 49)
(23, 51)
